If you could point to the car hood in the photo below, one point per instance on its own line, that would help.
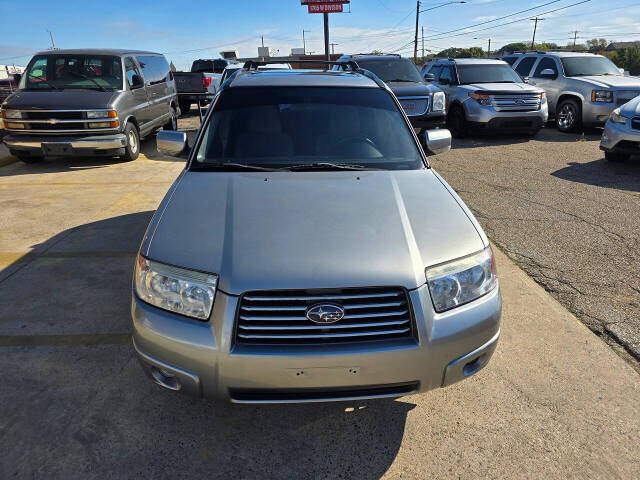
(411, 89)
(298, 230)
(610, 81)
(631, 108)
(501, 87)
(63, 99)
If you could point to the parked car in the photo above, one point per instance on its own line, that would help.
(194, 87)
(308, 252)
(89, 102)
(424, 104)
(582, 88)
(486, 95)
(621, 136)
(210, 65)
(7, 87)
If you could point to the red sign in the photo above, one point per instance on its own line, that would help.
(307, 2)
(325, 7)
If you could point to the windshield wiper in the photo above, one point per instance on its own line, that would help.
(231, 166)
(327, 166)
(43, 81)
(403, 80)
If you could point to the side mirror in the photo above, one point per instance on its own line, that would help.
(548, 73)
(16, 78)
(172, 143)
(621, 70)
(429, 77)
(136, 81)
(437, 141)
(525, 79)
(444, 81)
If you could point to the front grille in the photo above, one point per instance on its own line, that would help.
(516, 102)
(635, 123)
(57, 122)
(279, 317)
(414, 106)
(56, 126)
(61, 115)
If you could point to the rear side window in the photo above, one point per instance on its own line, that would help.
(524, 67)
(154, 68)
(544, 64)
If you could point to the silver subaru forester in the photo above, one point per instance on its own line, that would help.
(309, 253)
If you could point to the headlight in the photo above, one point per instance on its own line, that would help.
(102, 114)
(438, 102)
(175, 289)
(11, 114)
(616, 117)
(481, 99)
(543, 97)
(461, 281)
(605, 96)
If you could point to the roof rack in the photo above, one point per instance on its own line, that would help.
(253, 65)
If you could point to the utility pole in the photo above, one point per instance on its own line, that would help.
(262, 39)
(489, 49)
(423, 44)
(575, 37)
(53, 45)
(535, 27)
(332, 47)
(415, 41)
(326, 37)
(304, 43)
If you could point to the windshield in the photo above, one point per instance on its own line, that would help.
(500, 73)
(580, 66)
(396, 70)
(281, 127)
(61, 72)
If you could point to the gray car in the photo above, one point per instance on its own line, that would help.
(486, 95)
(621, 136)
(582, 88)
(308, 252)
(89, 102)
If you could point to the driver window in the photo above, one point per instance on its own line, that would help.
(544, 64)
(446, 73)
(130, 70)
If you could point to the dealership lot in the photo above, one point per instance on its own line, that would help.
(554, 399)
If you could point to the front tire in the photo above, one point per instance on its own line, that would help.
(132, 149)
(569, 116)
(616, 156)
(457, 123)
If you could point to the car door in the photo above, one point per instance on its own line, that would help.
(548, 84)
(446, 82)
(139, 104)
(154, 84)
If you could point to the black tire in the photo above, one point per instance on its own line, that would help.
(132, 150)
(185, 107)
(457, 123)
(26, 158)
(616, 156)
(172, 123)
(569, 116)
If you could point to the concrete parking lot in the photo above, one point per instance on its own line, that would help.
(555, 401)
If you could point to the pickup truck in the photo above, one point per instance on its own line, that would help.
(7, 87)
(194, 87)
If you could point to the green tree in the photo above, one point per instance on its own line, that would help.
(596, 45)
(628, 58)
(515, 47)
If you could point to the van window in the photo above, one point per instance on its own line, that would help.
(131, 69)
(154, 68)
(524, 67)
(544, 64)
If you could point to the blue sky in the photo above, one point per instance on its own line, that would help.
(186, 30)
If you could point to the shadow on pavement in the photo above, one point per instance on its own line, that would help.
(547, 134)
(602, 173)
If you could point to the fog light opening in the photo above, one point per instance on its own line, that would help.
(165, 378)
(473, 366)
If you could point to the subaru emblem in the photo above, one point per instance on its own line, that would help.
(325, 313)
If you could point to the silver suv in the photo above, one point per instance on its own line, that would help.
(582, 88)
(487, 95)
(308, 252)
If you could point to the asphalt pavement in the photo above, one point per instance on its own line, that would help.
(566, 215)
(554, 402)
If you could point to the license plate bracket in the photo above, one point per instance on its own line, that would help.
(56, 149)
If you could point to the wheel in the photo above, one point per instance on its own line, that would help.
(172, 123)
(132, 149)
(569, 116)
(26, 158)
(457, 123)
(185, 106)
(616, 156)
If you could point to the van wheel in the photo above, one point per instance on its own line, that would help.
(132, 149)
(616, 156)
(569, 116)
(172, 123)
(457, 123)
(185, 106)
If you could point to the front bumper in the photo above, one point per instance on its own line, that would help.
(429, 120)
(206, 362)
(620, 138)
(487, 118)
(66, 145)
(596, 114)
